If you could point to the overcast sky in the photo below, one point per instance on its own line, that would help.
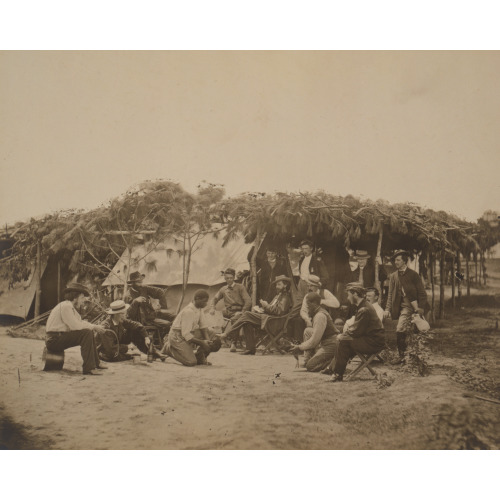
(77, 128)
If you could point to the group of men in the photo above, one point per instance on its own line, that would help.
(326, 345)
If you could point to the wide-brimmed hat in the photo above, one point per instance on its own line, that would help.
(229, 270)
(135, 277)
(281, 278)
(355, 287)
(400, 252)
(314, 280)
(117, 307)
(361, 254)
(77, 287)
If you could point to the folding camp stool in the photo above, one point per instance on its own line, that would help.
(270, 339)
(365, 363)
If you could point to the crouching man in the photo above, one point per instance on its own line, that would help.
(364, 335)
(319, 339)
(120, 332)
(190, 341)
(65, 328)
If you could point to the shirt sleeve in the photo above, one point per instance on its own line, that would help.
(319, 325)
(330, 300)
(72, 319)
(159, 294)
(188, 320)
(304, 312)
(247, 301)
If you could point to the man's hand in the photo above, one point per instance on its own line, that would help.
(140, 300)
(147, 341)
(211, 311)
(99, 329)
(296, 351)
(263, 303)
(387, 314)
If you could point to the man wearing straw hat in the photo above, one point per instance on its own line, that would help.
(364, 335)
(364, 273)
(120, 332)
(139, 297)
(279, 306)
(406, 297)
(65, 328)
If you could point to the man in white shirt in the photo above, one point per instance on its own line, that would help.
(373, 296)
(190, 341)
(309, 264)
(65, 328)
(328, 300)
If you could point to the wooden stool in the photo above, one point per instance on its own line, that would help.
(52, 360)
(365, 363)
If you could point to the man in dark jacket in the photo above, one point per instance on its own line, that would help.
(139, 297)
(279, 306)
(267, 271)
(364, 335)
(120, 332)
(406, 297)
(309, 263)
(365, 270)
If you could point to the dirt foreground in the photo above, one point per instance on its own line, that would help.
(241, 402)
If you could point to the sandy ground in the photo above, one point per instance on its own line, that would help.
(241, 402)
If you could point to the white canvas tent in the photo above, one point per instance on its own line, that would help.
(162, 266)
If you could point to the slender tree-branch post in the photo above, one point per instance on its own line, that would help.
(475, 266)
(433, 295)
(58, 281)
(379, 258)
(253, 267)
(467, 274)
(184, 281)
(453, 302)
(459, 269)
(38, 296)
(441, 284)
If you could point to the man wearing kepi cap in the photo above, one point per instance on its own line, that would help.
(120, 332)
(279, 306)
(406, 297)
(364, 335)
(190, 340)
(65, 328)
(236, 299)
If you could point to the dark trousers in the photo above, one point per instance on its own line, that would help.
(111, 350)
(346, 349)
(401, 342)
(245, 321)
(58, 342)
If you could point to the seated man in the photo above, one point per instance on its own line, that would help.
(65, 328)
(364, 335)
(279, 306)
(190, 341)
(236, 299)
(320, 338)
(141, 310)
(120, 332)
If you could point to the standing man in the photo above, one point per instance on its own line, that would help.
(267, 271)
(236, 299)
(319, 339)
(406, 297)
(190, 341)
(139, 297)
(279, 306)
(364, 273)
(364, 335)
(309, 263)
(373, 296)
(120, 332)
(65, 328)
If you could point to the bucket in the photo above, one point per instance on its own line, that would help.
(52, 360)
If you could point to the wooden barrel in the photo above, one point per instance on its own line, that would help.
(52, 360)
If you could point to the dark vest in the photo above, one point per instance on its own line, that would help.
(330, 330)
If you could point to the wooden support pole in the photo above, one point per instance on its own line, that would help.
(38, 295)
(433, 296)
(475, 265)
(379, 259)
(441, 284)
(453, 302)
(467, 276)
(253, 267)
(459, 269)
(58, 281)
